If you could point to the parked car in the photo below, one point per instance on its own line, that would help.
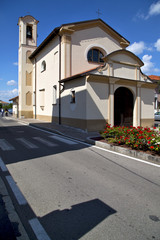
(10, 111)
(157, 116)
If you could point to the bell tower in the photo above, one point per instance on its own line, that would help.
(27, 45)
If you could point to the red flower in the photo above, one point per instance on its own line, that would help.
(140, 137)
(149, 142)
(151, 147)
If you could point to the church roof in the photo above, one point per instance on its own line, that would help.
(154, 77)
(81, 74)
(15, 98)
(80, 25)
(2, 102)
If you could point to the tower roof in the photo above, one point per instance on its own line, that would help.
(26, 18)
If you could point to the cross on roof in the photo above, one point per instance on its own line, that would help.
(98, 12)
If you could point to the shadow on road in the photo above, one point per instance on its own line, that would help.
(74, 223)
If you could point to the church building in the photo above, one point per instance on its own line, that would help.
(81, 75)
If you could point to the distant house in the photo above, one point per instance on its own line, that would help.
(156, 79)
(3, 103)
(15, 101)
(82, 75)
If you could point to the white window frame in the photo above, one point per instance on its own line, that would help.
(73, 96)
(43, 66)
(54, 95)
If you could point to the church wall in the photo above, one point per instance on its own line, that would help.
(83, 40)
(147, 107)
(97, 99)
(71, 109)
(124, 58)
(97, 104)
(47, 79)
(124, 71)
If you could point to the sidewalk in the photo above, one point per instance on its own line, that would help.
(82, 135)
(64, 130)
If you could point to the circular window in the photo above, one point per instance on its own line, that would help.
(95, 55)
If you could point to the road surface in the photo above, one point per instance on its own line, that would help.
(65, 189)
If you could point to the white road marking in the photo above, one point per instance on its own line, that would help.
(67, 141)
(103, 149)
(126, 156)
(19, 196)
(38, 229)
(6, 146)
(3, 166)
(44, 141)
(26, 143)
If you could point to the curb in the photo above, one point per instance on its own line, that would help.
(128, 152)
(20, 232)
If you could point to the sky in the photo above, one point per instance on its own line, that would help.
(138, 21)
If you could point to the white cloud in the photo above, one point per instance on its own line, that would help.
(139, 15)
(137, 47)
(11, 83)
(14, 91)
(148, 67)
(6, 95)
(157, 45)
(154, 10)
(15, 63)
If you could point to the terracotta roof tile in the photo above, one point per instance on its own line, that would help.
(154, 77)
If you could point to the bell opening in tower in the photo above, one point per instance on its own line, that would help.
(29, 32)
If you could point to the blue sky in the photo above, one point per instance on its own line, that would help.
(138, 21)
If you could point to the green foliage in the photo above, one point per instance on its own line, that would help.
(137, 138)
(8, 106)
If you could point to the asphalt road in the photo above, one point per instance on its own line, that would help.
(64, 189)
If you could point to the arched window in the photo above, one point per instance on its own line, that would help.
(95, 55)
(43, 66)
(28, 98)
(29, 31)
(28, 53)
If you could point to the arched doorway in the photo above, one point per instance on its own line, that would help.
(123, 107)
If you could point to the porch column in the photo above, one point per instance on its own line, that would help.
(66, 56)
(65, 34)
(138, 105)
(111, 102)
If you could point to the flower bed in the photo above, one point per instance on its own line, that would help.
(138, 138)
